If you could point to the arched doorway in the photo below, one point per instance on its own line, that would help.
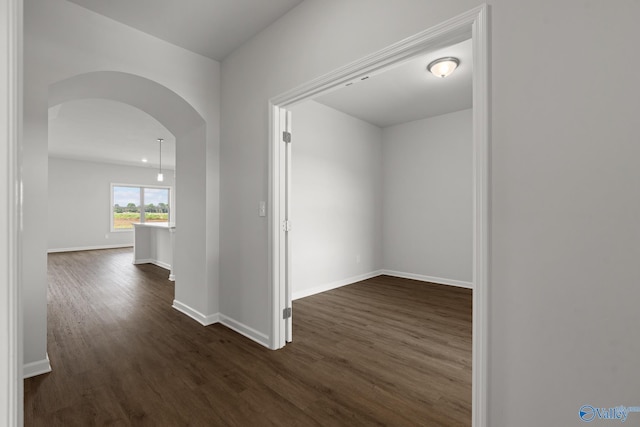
(189, 129)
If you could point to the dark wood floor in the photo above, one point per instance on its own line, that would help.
(384, 351)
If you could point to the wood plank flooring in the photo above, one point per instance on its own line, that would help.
(384, 351)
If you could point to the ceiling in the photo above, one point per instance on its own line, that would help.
(213, 28)
(108, 131)
(111, 132)
(408, 92)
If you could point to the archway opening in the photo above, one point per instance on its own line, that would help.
(189, 129)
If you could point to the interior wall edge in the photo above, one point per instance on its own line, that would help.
(88, 248)
(334, 285)
(36, 368)
(245, 330)
(203, 319)
(430, 279)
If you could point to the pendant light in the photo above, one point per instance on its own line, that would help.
(160, 175)
(442, 67)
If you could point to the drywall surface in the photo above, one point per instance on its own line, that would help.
(366, 199)
(428, 197)
(80, 201)
(564, 172)
(64, 41)
(336, 209)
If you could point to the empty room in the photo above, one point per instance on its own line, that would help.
(381, 200)
(304, 263)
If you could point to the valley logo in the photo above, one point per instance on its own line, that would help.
(589, 413)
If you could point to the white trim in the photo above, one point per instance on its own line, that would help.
(203, 319)
(288, 267)
(11, 388)
(90, 248)
(454, 30)
(275, 235)
(473, 23)
(118, 184)
(430, 279)
(355, 279)
(154, 262)
(245, 330)
(482, 216)
(334, 285)
(37, 368)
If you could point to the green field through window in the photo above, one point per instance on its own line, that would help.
(133, 204)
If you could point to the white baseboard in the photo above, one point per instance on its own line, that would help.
(90, 248)
(422, 278)
(333, 285)
(154, 262)
(245, 330)
(227, 321)
(36, 368)
(203, 319)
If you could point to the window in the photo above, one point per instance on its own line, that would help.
(132, 203)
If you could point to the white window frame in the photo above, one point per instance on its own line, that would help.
(141, 187)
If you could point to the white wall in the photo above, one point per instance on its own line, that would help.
(336, 206)
(564, 205)
(366, 199)
(427, 197)
(63, 40)
(80, 201)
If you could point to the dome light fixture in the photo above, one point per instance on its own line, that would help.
(443, 67)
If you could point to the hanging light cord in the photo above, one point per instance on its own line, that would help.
(160, 148)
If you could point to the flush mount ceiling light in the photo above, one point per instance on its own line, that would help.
(160, 175)
(442, 67)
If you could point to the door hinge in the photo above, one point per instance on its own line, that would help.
(286, 313)
(286, 136)
(286, 225)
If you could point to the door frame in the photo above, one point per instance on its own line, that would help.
(278, 237)
(473, 23)
(11, 388)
